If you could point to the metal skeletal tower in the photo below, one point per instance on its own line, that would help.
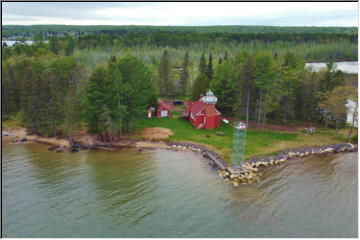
(239, 139)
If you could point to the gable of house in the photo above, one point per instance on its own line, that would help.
(197, 107)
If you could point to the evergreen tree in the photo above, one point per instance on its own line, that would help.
(8, 89)
(308, 98)
(198, 86)
(202, 65)
(165, 74)
(54, 44)
(101, 93)
(70, 46)
(244, 87)
(332, 78)
(209, 69)
(223, 86)
(290, 73)
(268, 87)
(184, 77)
(37, 100)
(138, 92)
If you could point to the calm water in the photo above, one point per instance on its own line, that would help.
(12, 42)
(161, 193)
(347, 67)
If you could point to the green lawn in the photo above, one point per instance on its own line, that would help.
(258, 143)
(184, 131)
(13, 121)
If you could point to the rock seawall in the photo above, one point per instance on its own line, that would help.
(254, 165)
(250, 171)
(213, 158)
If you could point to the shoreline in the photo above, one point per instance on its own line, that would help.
(250, 172)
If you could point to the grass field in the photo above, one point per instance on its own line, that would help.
(258, 143)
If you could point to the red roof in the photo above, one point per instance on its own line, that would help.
(196, 107)
(163, 105)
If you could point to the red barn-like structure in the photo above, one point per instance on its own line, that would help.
(163, 109)
(202, 113)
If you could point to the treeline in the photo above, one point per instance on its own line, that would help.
(50, 30)
(262, 86)
(53, 96)
(109, 80)
(174, 39)
(311, 46)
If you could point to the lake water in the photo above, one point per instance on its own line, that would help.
(347, 67)
(9, 43)
(161, 193)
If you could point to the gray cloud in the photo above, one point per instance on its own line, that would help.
(167, 14)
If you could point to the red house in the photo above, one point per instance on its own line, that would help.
(202, 113)
(163, 109)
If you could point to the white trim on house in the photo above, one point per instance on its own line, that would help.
(163, 113)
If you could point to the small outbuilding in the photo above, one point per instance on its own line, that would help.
(163, 109)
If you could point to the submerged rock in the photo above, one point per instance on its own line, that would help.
(52, 148)
(74, 150)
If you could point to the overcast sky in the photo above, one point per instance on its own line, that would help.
(181, 13)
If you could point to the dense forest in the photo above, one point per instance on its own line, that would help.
(48, 30)
(106, 77)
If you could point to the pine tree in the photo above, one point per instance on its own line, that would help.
(70, 46)
(202, 65)
(198, 86)
(209, 69)
(184, 77)
(36, 109)
(223, 86)
(332, 78)
(289, 74)
(165, 74)
(100, 91)
(138, 92)
(226, 56)
(245, 88)
(266, 82)
(54, 44)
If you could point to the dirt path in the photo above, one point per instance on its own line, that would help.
(169, 103)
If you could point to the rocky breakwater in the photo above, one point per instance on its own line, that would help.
(249, 172)
(235, 175)
(213, 159)
(303, 152)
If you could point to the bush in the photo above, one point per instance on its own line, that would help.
(354, 139)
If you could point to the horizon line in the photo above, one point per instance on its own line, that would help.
(149, 25)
